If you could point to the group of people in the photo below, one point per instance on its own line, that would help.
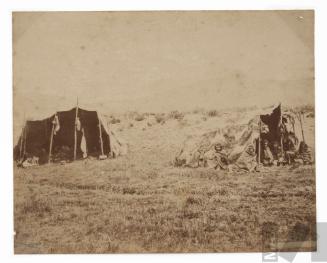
(284, 153)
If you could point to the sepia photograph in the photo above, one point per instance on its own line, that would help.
(164, 132)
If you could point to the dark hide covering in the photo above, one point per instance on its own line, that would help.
(35, 138)
(273, 121)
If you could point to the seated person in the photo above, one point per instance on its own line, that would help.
(274, 149)
(290, 148)
(280, 156)
(216, 158)
(304, 153)
(247, 161)
(277, 153)
(267, 156)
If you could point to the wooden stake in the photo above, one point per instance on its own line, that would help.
(51, 139)
(75, 130)
(100, 134)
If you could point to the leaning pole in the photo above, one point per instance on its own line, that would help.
(100, 135)
(259, 142)
(51, 138)
(75, 132)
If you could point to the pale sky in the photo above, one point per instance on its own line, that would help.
(161, 61)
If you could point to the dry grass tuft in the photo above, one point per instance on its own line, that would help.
(114, 120)
(176, 115)
(140, 117)
(160, 118)
(213, 113)
(36, 207)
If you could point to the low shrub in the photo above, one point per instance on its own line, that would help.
(114, 120)
(213, 113)
(139, 117)
(160, 118)
(176, 115)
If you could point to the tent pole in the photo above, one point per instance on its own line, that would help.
(21, 143)
(282, 145)
(293, 126)
(100, 134)
(25, 134)
(51, 140)
(259, 142)
(109, 146)
(22, 139)
(301, 126)
(281, 137)
(75, 133)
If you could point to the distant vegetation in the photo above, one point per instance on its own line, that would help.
(140, 117)
(213, 113)
(114, 120)
(182, 117)
(160, 118)
(177, 115)
(305, 109)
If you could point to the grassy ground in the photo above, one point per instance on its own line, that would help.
(140, 203)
